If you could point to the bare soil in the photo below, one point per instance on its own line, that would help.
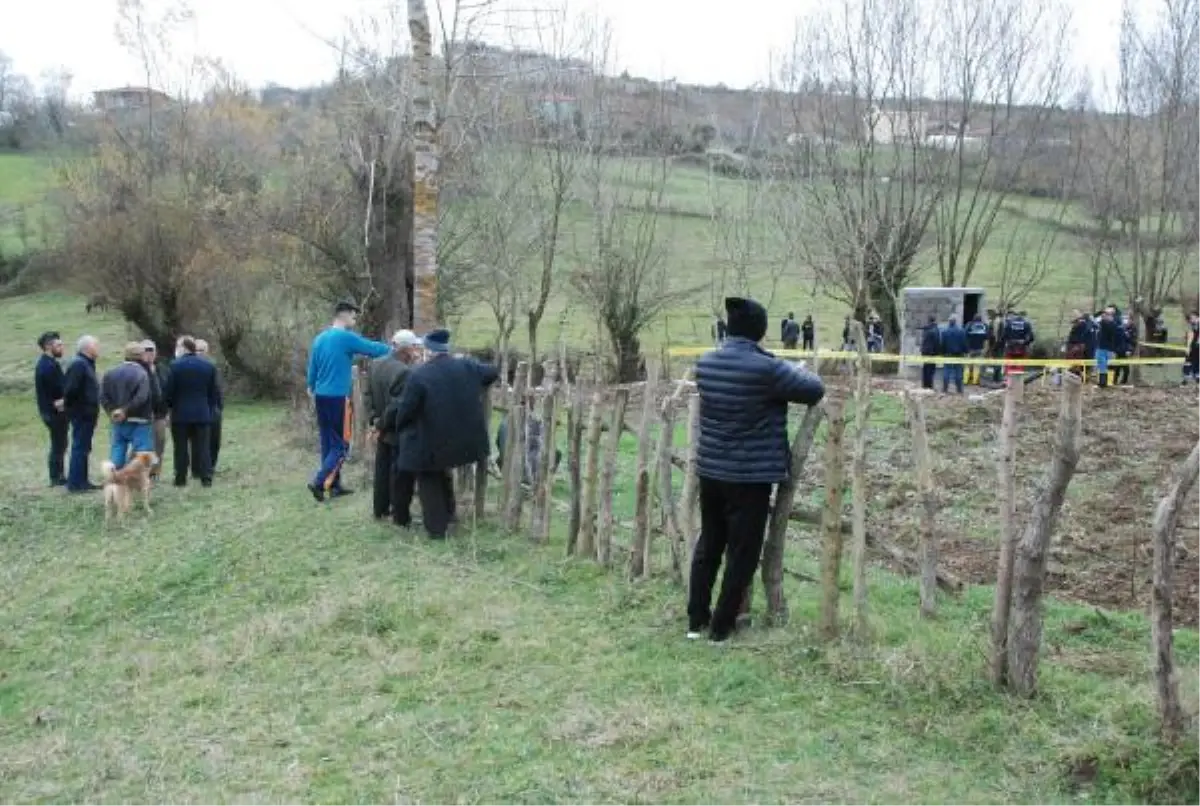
(1133, 441)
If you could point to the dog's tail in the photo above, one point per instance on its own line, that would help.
(108, 470)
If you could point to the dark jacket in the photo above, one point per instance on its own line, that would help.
(1109, 336)
(158, 399)
(1131, 337)
(808, 329)
(931, 339)
(438, 419)
(127, 387)
(1080, 335)
(954, 341)
(744, 395)
(978, 335)
(791, 331)
(1017, 332)
(81, 391)
(191, 392)
(48, 383)
(385, 380)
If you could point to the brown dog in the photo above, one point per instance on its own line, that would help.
(119, 485)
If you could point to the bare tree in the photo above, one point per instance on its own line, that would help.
(1001, 71)
(1144, 194)
(859, 223)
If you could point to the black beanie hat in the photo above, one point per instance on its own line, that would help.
(745, 318)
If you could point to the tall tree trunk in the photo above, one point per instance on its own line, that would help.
(425, 172)
(1166, 516)
(1029, 571)
(785, 497)
(831, 521)
(574, 466)
(1006, 457)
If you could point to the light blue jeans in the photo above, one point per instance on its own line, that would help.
(1102, 359)
(125, 436)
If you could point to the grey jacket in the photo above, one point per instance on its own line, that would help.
(385, 380)
(127, 386)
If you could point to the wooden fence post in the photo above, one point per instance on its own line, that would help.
(1166, 515)
(608, 474)
(1006, 455)
(858, 480)
(831, 520)
(785, 497)
(543, 500)
(481, 467)
(927, 548)
(689, 495)
(514, 450)
(642, 501)
(574, 467)
(591, 479)
(1029, 569)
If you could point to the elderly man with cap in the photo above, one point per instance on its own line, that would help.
(192, 396)
(385, 380)
(126, 396)
(158, 404)
(48, 383)
(330, 382)
(439, 424)
(214, 430)
(741, 453)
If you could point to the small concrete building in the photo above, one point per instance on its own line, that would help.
(918, 304)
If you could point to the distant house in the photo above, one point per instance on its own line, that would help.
(123, 98)
(895, 125)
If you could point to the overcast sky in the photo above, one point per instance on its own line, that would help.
(286, 41)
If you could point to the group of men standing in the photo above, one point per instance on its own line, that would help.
(1009, 336)
(425, 409)
(140, 397)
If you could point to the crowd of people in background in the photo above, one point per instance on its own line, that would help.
(141, 397)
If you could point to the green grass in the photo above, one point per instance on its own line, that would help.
(244, 644)
(24, 183)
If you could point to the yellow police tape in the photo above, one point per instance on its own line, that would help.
(891, 358)
(1179, 348)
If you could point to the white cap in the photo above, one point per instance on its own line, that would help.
(406, 338)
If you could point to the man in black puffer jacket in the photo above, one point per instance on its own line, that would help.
(742, 451)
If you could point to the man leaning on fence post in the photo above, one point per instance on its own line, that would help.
(742, 452)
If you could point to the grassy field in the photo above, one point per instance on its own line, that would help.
(695, 251)
(244, 644)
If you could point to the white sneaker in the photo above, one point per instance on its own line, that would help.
(692, 636)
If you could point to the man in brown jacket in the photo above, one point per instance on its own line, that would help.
(385, 379)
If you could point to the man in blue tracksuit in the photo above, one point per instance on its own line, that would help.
(954, 345)
(48, 382)
(330, 368)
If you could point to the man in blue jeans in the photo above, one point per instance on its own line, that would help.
(1108, 341)
(330, 367)
(81, 401)
(954, 345)
(125, 395)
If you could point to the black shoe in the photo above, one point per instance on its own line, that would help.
(180, 482)
(317, 492)
(59, 483)
(338, 492)
(206, 483)
(90, 488)
(432, 536)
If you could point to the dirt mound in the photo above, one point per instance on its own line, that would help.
(1133, 440)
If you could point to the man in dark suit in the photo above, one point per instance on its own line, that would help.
(192, 396)
(81, 401)
(214, 430)
(48, 382)
(440, 425)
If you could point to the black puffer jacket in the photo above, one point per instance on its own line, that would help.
(744, 395)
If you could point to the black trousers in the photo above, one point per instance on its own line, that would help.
(59, 427)
(808, 343)
(214, 441)
(733, 523)
(191, 445)
(381, 489)
(928, 371)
